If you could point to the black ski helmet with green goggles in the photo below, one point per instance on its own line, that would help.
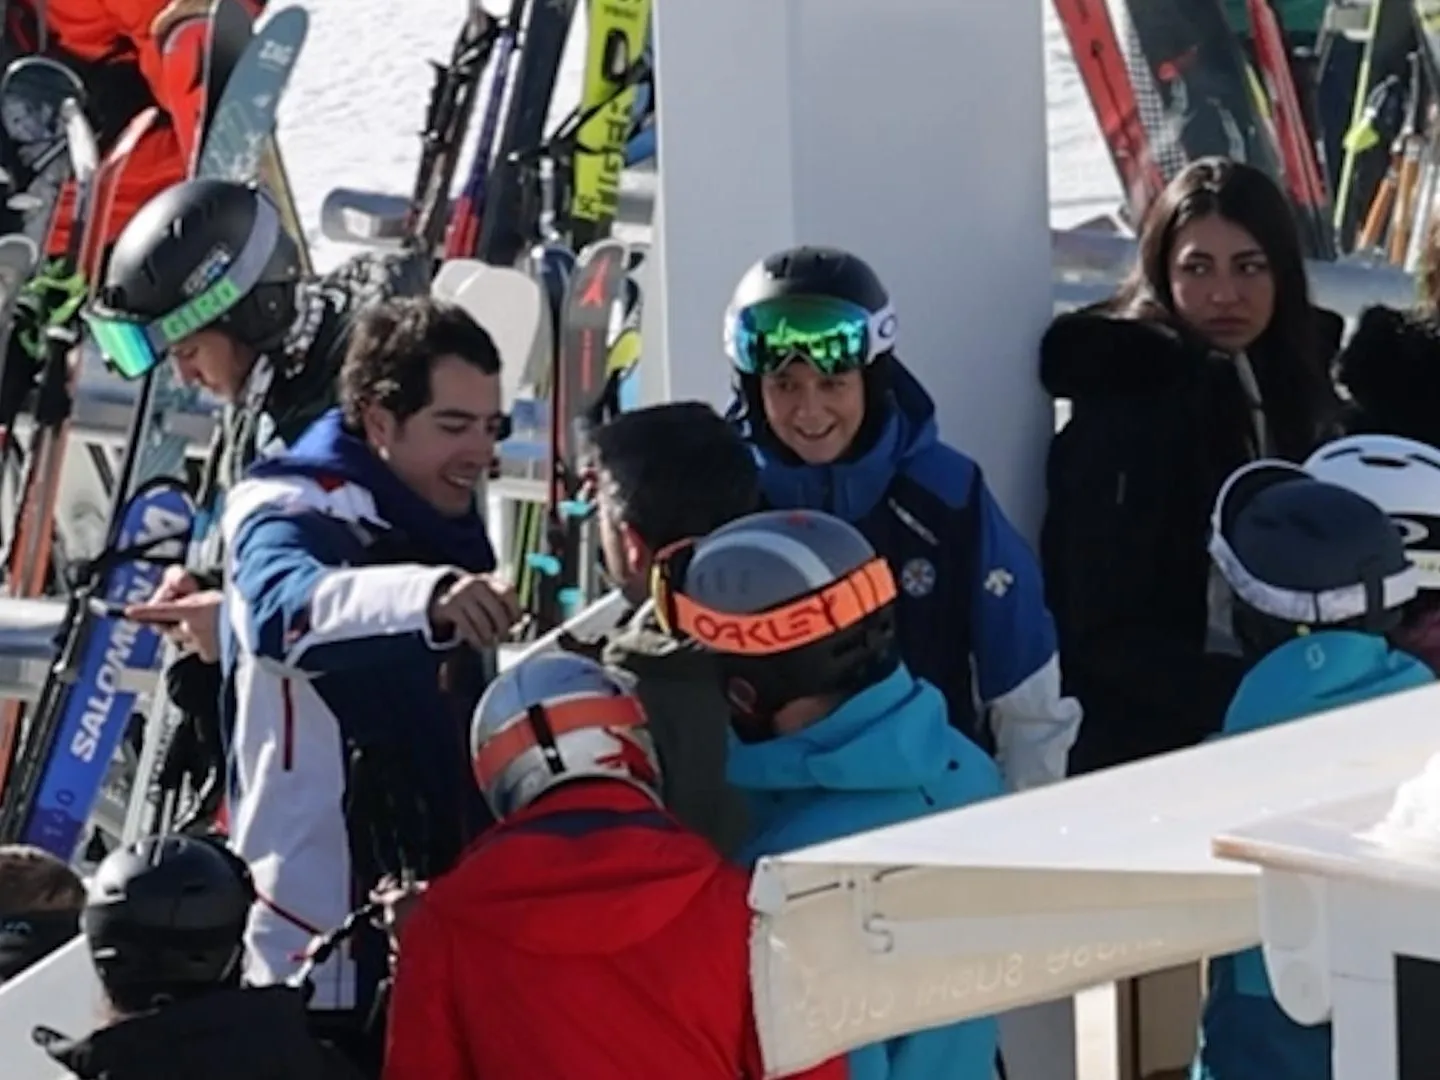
(202, 254)
(818, 304)
(821, 305)
(1302, 555)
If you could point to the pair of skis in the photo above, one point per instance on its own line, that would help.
(1177, 86)
(533, 200)
(572, 179)
(582, 394)
(105, 663)
(29, 555)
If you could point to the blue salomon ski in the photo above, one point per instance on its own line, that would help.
(99, 690)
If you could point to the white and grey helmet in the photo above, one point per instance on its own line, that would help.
(1300, 553)
(796, 603)
(553, 719)
(1402, 477)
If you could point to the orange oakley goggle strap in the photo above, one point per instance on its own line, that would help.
(518, 736)
(667, 574)
(801, 622)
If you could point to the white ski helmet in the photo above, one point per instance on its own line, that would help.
(556, 718)
(1402, 477)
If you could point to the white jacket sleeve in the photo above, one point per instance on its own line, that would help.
(1034, 727)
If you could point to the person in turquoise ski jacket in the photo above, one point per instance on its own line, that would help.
(1319, 579)
(831, 733)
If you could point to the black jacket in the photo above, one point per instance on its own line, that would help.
(688, 718)
(250, 1034)
(1391, 369)
(1158, 422)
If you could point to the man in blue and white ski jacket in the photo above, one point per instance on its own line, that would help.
(355, 619)
(972, 615)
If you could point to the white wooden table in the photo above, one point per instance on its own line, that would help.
(1341, 916)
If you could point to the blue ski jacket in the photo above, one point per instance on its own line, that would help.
(1244, 1033)
(346, 721)
(970, 588)
(886, 755)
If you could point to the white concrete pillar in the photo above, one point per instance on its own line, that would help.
(911, 131)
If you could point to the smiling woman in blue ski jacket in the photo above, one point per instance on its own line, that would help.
(1287, 544)
(346, 709)
(831, 733)
(850, 431)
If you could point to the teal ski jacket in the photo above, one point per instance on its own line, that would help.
(886, 755)
(1244, 1034)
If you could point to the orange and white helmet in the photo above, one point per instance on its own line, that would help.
(555, 718)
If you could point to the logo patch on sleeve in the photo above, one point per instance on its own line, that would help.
(917, 577)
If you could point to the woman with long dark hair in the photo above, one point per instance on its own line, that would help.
(1209, 356)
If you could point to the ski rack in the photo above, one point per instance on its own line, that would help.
(100, 416)
(103, 406)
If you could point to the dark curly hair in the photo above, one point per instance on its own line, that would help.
(393, 350)
(675, 471)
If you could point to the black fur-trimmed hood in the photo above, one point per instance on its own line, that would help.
(1090, 352)
(1391, 368)
(1093, 352)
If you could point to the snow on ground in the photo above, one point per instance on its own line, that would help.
(355, 106)
(354, 109)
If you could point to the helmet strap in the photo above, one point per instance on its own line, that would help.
(545, 738)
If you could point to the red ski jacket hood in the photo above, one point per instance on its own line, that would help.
(630, 878)
(591, 935)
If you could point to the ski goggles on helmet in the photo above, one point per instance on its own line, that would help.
(1326, 607)
(803, 621)
(831, 335)
(134, 345)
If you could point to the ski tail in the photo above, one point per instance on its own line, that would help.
(93, 690)
(615, 57)
(231, 31)
(228, 35)
(1204, 82)
(1303, 178)
(463, 235)
(509, 222)
(1102, 67)
(566, 578)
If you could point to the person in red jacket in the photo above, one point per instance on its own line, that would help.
(589, 933)
(130, 54)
